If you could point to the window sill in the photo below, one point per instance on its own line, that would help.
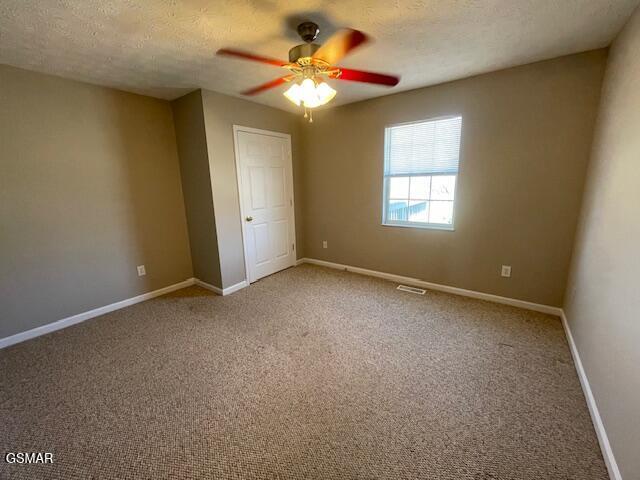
(446, 228)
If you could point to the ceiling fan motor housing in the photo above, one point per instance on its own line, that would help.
(302, 51)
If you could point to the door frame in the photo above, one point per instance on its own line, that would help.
(286, 136)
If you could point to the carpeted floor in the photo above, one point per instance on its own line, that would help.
(311, 373)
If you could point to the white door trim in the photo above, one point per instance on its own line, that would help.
(240, 128)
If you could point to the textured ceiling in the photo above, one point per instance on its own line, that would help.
(165, 48)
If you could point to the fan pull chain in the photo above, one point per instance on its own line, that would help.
(308, 113)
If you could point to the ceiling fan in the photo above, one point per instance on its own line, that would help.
(310, 62)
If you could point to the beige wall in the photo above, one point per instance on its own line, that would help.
(603, 294)
(188, 117)
(89, 188)
(525, 144)
(221, 112)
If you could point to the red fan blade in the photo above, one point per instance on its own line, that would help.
(368, 77)
(339, 45)
(268, 85)
(250, 56)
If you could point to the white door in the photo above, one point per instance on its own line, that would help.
(265, 178)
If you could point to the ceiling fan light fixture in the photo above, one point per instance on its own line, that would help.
(325, 93)
(294, 94)
(309, 94)
(309, 97)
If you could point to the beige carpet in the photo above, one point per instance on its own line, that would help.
(308, 374)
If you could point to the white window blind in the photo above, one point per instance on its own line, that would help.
(424, 148)
(420, 173)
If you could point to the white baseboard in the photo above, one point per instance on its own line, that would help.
(96, 312)
(436, 286)
(81, 317)
(603, 439)
(220, 291)
(235, 288)
(208, 286)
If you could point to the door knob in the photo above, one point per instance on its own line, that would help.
(248, 219)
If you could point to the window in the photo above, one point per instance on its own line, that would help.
(421, 172)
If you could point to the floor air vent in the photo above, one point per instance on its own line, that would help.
(417, 291)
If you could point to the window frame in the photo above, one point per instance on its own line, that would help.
(385, 181)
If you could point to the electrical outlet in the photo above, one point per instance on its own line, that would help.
(141, 270)
(506, 270)
(324, 244)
